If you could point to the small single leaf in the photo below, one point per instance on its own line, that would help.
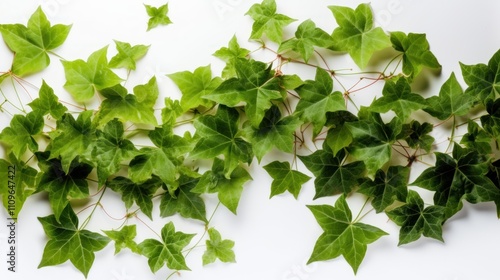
(356, 34)
(19, 135)
(416, 52)
(68, 242)
(168, 251)
(483, 80)
(387, 187)
(341, 235)
(417, 135)
(306, 38)
(415, 220)
(452, 101)
(285, 179)
(48, 103)
(267, 21)
(171, 111)
(183, 201)
(32, 43)
(123, 238)
(230, 54)
(158, 16)
(127, 55)
(84, 78)
(218, 248)
(194, 86)
(339, 136)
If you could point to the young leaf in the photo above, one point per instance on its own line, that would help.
(491, 121)
(267, 21)
(141, 194)
(123, 238)
(273, 131)
(415, 220)
(194, 86)
(333, 176)
(62, 185)
(459, 177)
(284, 178)
(167, 251)
(306, 38)
(171, 111)
(17, 177)
(147, 94)
(372, 140)
(183, 201)
(388, 187)
(48, 103)
(158, 16)
(477, 139)
(341, 235)
(68, 242)
(84, 78)
(452, 101)
(417, 135)
(218, 135)
(217, 248)
(416, 52)
(317, 98)
(483, 80)
(255, 85)
(127, 55)
(19, 135)
(356, 34)
(125, 107)
(339, 136)
(32, 43)
(73, 138)
(230, 54)
(397, 96)
(111, 149)
(228, 189)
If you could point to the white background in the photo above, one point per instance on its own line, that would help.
(274, 238)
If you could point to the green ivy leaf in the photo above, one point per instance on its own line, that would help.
(333, 175)
(452, 101)
(171, 111)
(306, 38)
(491, 121)
(457, 177)
(483, 80)
(147, 94)
(356, 34)
(111, 149)
(417, 135)
(317, 98)
(149, 162)
(19, 180)
(415, 220)
(127, 55)
(373, 140)
(158, 16)
(123, 238)
(84, 78)
(477, 139)
(397, 96)
(32, 43)
(255, 85)
(416, 52)
(19, 135)
(218, 135)
(339, 136)
(284, 178)
(167, 251)
(140, 193)
(73, 138)
(273, 131)
(228, 190)
(267, 21)
(217, 248)
(183, 201)
(68, 242)
(387, 187)
(48, 103)
(230, 54)
(125, 107)
(194, 86)
(341, 235)
(61, 185)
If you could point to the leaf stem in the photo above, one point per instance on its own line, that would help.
(87, 220)
(452, 134)
(358, 218)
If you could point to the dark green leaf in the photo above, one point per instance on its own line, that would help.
(183, 201)
(483, 80)
(477, 139)
(491, 121)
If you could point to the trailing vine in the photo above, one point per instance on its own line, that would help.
(356, 131)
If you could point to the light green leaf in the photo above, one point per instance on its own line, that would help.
(356, 34)
(230, 54)
(267, 21)
(147, 94)
(127, 55)
(84, 78)
(158, 16)
(217, 248)
(123, 238)
(284, 178)
(68, 242)
(48, 103)
(171, 111)
(19, 134)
